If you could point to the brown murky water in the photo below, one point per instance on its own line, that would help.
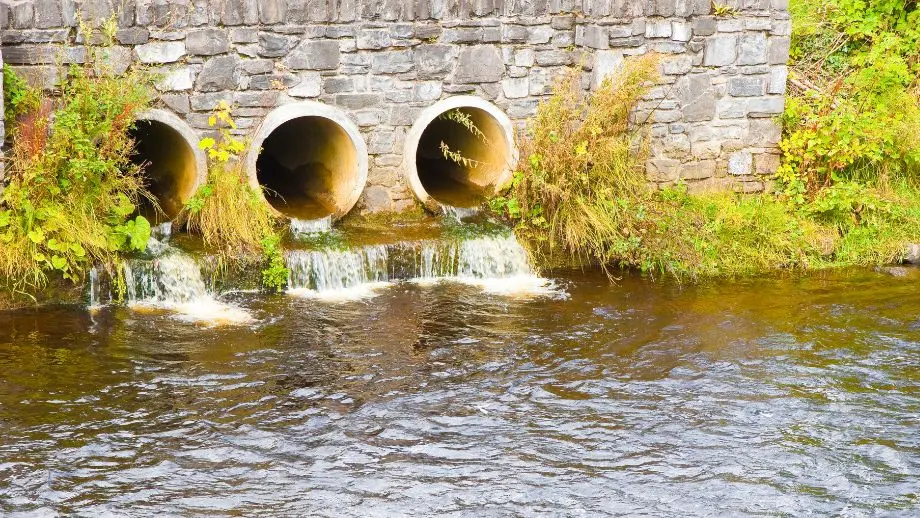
(768, 397)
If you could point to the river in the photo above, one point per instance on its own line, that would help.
(781, 396)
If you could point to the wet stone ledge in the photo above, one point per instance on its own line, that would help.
(383, 62)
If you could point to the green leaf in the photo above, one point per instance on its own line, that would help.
(36, 236)
(139, 233)
(58, 262)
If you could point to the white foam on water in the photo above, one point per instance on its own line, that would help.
(518, 286)
(173, 283)
(460, 213)
(206, 311)
(351, 294)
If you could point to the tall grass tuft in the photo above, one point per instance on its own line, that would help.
(576, 192)
(231, 216)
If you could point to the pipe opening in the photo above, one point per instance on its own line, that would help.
(170, 168)
(462, 156)
(308, 168)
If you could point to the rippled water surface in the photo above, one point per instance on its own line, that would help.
(769, 397)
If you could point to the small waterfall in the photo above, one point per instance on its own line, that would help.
(312, 226)
(162, 232)
(460, 213)
(497, 264)
(337, 273)
(171, 281)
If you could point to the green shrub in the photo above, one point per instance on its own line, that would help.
(72, 189)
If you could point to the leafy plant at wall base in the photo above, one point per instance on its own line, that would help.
(580, 186)
(18, 97)
(275, 274)
(232, 216)
(73, 191)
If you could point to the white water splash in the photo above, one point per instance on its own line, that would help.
(497, 264)
(312, 226)
(173, 282)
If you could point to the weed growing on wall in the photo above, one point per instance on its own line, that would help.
(231, 216)
(72, 190)
(580, 184)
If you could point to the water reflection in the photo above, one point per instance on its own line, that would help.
(775, 396)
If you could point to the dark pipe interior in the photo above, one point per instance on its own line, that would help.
(170, 171)
(461, 184)
(307, 168)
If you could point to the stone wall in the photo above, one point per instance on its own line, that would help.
(383, 61)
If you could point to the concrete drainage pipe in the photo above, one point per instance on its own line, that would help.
(310, 161)
(173, 164)
(458, 152)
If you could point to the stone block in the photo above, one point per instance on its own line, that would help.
(766, 164)
(392, 62)
(663, 169)
(746, 86)
(681, 31)
(207, 42)
(160, 52)
(132, 36)
(741, 163)
(765, 106)
(479, 64)
(658, 29)
(220, 73)
(373, 39)
(357, 101)
(310, 85)
(778, 50)
(433, 61)
(698, 170)
(178, 103)
(778, 77)
(377, 199)
(763, 133)
(272, 11)
(516, 88)
(606, 63)
(175, 80)
(273, 45)
(314, 55)
(596, 37)
(426, 91)
(720, 51)
(552, 58)
(752, 49)
(704, 26)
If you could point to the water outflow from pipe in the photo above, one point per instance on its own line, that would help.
(311, 226)
(498, 264)
(171, 281)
